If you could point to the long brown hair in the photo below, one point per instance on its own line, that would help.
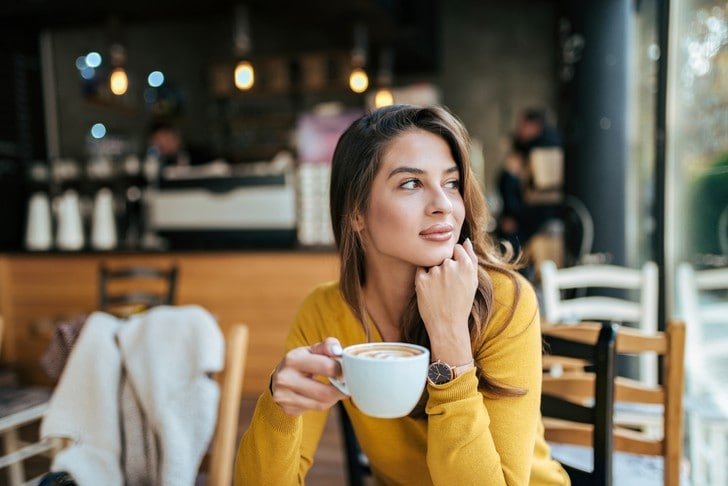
(357, 159)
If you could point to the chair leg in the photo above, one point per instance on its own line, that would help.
(16, 474)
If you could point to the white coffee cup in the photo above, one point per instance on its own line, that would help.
(385, 380)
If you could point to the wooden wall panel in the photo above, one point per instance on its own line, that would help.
(261, 289)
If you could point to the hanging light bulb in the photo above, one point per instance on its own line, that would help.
(358, 80)
(118, 82)
(244, 72)
(384, 97)
(244, 75)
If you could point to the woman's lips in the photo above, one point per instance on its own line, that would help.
(438, 232)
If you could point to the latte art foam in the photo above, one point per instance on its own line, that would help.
(386, 352)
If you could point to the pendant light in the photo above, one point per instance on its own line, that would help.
(244, 75)
(384, 95)
(118, 80)
(358, 78)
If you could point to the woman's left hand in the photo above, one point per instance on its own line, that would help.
(445, 297)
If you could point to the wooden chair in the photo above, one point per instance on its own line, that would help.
(632, 448)
(642, 312)
(137, 286)
(705, 311)
(219, 463)
(563, 416)
(224, 442)
(20, 406)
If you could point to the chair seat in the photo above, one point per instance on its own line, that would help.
(22, 405)
(628, 469)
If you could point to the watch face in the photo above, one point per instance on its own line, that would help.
(439, 373)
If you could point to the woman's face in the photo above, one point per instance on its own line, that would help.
(415, 211)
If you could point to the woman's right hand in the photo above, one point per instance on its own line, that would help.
(293, 382)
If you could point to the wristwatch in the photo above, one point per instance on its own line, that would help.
(440, 372)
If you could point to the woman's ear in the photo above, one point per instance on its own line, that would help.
(358, 222)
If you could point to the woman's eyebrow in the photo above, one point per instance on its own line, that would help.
(409, 170)
(415, 170)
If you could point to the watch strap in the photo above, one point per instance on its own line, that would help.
(461, 369)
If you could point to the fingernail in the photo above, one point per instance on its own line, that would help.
(335, 349)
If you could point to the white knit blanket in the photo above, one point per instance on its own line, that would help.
(167, 354)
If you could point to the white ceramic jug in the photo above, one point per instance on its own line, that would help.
(103, 226)
(38, 229)
(70, 227)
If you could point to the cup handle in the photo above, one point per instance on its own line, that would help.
(340, 383)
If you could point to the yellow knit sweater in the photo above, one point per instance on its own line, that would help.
(468, 438)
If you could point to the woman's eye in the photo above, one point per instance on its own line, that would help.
(410, 184)
(453, 184)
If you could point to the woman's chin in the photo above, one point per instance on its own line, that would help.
(434, 259)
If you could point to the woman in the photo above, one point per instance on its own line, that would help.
(416, 266)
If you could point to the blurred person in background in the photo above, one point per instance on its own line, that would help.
(524, 209)
(165, 139)
(532, 131)
(510, 187)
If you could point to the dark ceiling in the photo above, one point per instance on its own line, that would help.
(409, 26)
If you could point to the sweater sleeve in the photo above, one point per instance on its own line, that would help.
(278, 448)
(474, 436)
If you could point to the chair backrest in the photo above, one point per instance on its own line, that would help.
(701, 312)
(564, 417)
(644, 312)
(222, 453)
(578, 386)
(690, 283)
(136, 285)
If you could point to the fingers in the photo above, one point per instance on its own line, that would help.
(471, 251)
(313, 364)
(328, 347)
(305, 395)
(312, 390)
(465, 252)
(293, 385)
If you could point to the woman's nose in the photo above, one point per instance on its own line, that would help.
(439, 202)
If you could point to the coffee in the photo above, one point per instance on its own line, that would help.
(386, 352)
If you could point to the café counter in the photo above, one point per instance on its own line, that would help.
(262, 289)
